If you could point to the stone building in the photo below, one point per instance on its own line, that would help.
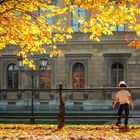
(84, 64)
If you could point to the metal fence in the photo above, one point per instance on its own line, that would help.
(75, 99)
(62, 100)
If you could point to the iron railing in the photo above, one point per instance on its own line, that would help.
(64, 99)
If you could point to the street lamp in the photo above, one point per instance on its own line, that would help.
(32, 73)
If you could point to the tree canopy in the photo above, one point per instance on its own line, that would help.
(25, 24)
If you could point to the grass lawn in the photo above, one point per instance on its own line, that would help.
(69, 132)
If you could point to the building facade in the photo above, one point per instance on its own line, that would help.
(84, 64)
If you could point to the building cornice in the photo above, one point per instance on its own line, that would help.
(75, 55)
(117, 54)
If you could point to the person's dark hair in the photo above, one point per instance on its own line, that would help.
(123, 85)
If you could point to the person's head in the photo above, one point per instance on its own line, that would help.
(122, 84)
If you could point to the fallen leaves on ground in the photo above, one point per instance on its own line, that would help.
(69, 132)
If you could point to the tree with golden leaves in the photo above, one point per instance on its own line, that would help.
(104, 15)
(22, 26)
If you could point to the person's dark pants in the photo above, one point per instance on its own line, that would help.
(123, 107)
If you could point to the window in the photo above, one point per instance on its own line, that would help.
(117, 73)
(79, 13)
(78, 76)
(48, 20)
(45, 78)
(12, 76)
(120, 28)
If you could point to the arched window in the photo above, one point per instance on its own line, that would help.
(12, 76)
(117, 73)
(45, 79)
(78, 75)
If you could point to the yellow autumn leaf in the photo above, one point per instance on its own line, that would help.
(2, 45)
(92, 36)
(70, 30)
(96, 39)
(68, 37)
(137, 44)
(42, 51)
(81, 20)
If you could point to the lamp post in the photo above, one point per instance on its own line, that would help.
(31, 72)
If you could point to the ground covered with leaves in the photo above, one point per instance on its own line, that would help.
(69, 132)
